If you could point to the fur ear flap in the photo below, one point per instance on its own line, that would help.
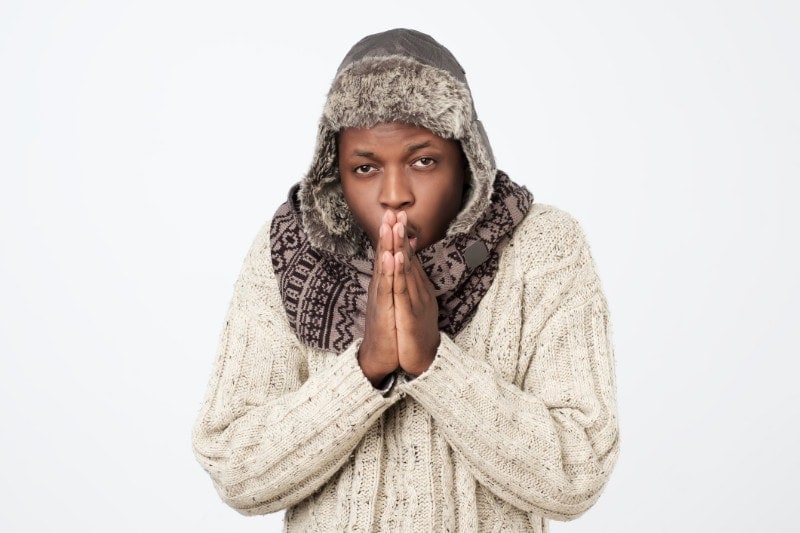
(326, 217)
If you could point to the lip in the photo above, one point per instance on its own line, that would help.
(413, 236)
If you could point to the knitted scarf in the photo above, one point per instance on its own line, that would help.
(325, 294)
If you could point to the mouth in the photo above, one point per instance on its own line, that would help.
(412, 234)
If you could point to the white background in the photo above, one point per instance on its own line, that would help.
(142, 146)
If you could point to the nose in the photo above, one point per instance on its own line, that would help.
(395, 193)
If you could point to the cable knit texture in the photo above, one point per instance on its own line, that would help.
(513, 424)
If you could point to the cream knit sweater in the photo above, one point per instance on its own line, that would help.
(514, 422)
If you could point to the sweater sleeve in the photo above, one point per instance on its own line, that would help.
(547, 440)
(268, 433)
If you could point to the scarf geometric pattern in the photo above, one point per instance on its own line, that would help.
(325, 294)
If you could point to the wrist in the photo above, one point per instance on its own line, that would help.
(375, 374)
(414, 366)
(418, 366)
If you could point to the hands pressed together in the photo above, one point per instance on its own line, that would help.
(402, 318)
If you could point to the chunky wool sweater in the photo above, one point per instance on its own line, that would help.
(513, 424)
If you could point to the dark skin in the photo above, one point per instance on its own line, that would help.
(404, 185)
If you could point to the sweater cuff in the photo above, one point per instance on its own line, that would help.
(348, 379)
(449, 372)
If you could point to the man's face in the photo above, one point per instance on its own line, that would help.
(402, 168)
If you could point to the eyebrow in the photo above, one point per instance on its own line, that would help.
(418, 146)
(411, 149)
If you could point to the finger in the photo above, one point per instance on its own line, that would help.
(398, 233)
(425, 292)
(382, 298)
(402, 246)
(385, 243)
(377, 268)
(389, 217)
(384, 246)
(421, 277)
(400, 287)
(385, 233)
(379, 247)
(387, 273)
(402, 217)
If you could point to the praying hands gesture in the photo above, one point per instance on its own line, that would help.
(402, 328)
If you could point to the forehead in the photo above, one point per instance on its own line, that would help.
(393, 135)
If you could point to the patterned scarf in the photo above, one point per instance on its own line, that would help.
(325, 294)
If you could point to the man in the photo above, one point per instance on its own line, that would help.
(413, 344)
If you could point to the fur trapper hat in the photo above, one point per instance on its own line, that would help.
(396, 76)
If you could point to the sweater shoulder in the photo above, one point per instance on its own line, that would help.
(260, 248)
(256, 289)
(548, 238)
(258, 261)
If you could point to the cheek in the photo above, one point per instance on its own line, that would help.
(443, 208)
(362, 213)
(450, 210)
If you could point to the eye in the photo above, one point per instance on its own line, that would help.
(363, 169)
(424, 162)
